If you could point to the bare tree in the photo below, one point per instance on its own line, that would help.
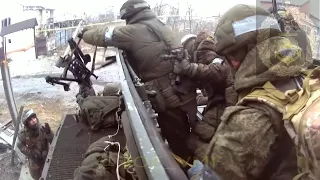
(209, 24)
(190, 16)
(159, 8)
(173, 18)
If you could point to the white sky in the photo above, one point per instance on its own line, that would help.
(201, 7)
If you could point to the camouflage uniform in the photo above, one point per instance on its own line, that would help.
(34, 143)
(145, 39)
(251, 141)
(220, 91)
(99, 164)
(99, 112)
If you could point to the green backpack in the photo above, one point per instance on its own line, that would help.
(99, 111)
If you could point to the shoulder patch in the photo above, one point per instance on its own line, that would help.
(108, 34)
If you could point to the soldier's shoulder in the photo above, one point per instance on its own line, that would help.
(244, 112)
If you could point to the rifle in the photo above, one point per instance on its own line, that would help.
(176, 54)
(277, 15)
(76, 64)
(140, 87)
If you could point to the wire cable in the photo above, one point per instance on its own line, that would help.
(118, 158)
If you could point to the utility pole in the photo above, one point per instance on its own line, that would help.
(6, 76)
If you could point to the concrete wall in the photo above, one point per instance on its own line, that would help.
(19, 39)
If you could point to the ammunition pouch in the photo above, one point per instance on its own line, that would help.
(168, 94)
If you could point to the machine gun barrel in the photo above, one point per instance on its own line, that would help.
(75, 34)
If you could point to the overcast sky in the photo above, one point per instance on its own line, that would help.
(201, 7)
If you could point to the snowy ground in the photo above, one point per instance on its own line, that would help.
(50, 102)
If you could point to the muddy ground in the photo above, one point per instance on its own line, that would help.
(8, 171)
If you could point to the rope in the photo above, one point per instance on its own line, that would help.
(129, 164)
(181, 161)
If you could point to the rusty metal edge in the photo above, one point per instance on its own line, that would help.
(45, 171)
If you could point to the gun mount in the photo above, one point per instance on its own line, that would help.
(76, 64)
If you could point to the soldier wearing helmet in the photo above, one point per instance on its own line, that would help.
(111, 89)
(251, 141)
(33, 141)
(99, 112)
(145, 39)
(210, 68)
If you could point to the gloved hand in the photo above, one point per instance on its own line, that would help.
(46, 128)
(184, 67)
(36, 154)
(84, 29)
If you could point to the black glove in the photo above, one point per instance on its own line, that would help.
(36, 154)
(46, 128)
(184, 67)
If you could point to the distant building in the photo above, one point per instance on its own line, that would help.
(306, 13)
(45, 16)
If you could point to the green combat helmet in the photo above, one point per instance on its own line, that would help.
(132, 7)
(27, 115)
(111, 89)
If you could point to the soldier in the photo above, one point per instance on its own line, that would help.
(210, 68)
(99, 112)
(188, 43)
(33, 141)
(111, 89)
(100, 163)
(252, 141)
(145, 39)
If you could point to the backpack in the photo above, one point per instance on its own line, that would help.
(99, 111)
(301, 119)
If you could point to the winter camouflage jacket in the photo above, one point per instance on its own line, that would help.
(35, 143)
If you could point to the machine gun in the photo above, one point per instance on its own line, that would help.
(75, 63)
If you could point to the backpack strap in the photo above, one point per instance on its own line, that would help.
(159, 35)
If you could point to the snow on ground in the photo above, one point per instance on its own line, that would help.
(50, 102)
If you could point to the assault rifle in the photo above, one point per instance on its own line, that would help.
(276, 14)
(75, 63)
(176, 54)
